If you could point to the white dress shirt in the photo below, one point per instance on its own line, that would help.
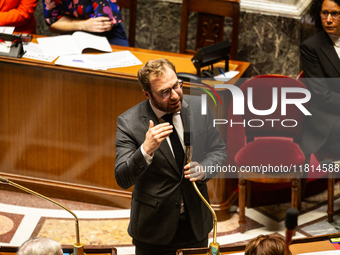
(336, 41)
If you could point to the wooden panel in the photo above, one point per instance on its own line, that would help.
(59, 125)
(132, 6)
(219, 8)
(209, 30)
(297, 246)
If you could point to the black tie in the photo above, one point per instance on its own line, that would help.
(175, 142)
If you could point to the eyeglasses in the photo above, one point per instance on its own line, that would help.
(167, 92)
(324, 14)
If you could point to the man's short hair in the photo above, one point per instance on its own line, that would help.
(40, 246)
(266, 245)
(154, 67)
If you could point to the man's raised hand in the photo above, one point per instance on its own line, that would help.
(155, 136)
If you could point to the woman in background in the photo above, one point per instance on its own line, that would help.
(99, 17)
(320, 59)
(18, 14)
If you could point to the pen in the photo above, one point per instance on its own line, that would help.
(222, 72)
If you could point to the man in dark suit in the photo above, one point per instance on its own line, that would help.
(320, 58)
(166, 212)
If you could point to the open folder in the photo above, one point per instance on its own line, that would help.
(74, 44)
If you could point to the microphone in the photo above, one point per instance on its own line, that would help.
(214, 248)
(78, 247)
(291, 223)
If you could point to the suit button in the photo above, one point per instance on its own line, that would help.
(176, 203)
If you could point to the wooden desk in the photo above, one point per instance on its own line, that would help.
(297, 246)
(58, 126)
(90, 249)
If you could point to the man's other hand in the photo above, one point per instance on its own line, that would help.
(194, 171)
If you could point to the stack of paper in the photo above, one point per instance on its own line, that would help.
(34, 51)
(69, 48)
(63, 45)
(100, 61)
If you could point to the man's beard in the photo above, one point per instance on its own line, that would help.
(165, 107)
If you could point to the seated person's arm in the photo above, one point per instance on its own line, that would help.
(70, 24)
(19, 15)
(63, 21)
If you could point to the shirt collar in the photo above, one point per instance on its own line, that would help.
(158, 112)
(335, 39)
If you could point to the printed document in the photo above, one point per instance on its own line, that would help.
(100, 61)
(74, 44)
(33, 51)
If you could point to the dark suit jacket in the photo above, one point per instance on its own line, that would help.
(320, 62)
(155, 206)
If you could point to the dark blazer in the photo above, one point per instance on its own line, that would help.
(155, 206)
(319, 61)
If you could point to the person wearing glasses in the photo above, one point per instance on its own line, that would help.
(166, 212)
(320, 59)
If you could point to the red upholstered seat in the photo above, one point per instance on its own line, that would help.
(273, 129)
(273, 152)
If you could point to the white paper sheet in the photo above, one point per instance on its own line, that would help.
(5, 47)
(114, 60)
(75, 61)
(100, 61)
(227, 77)
(7, 30)
(58, 45)
(34, 51)
(74, 44)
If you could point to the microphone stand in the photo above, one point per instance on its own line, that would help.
(214, 248)
(78, 247)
